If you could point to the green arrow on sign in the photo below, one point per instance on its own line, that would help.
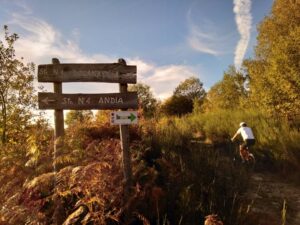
(132, 117)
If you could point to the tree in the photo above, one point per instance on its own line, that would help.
(274, 73)
(17, 96)
(184, 97)
(227, 93)
(147, 102)
(103, 117)
(191, 88)
(81, 116)
(177, 105)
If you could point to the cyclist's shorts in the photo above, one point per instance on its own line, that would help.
(248, 142)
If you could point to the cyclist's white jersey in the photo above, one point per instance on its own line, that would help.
(246, 133)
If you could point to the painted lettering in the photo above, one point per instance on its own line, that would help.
(55, 71)
(80, 101)
(110, 100)
(67, 101)
(42, 71)
(120, 100)
(83, 100)
(106, 100)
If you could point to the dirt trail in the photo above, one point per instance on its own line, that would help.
(267, 195)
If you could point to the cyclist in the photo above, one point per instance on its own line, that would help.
(248, 139)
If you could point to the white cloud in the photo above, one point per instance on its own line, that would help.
(21, 4)
(144, 69)
(207, 37)
(162, 79)
(205, 42)
(243, 20)
(165, 79)
(210, 39)
(40, 42)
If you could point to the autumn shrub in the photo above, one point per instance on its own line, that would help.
(176, 180)
(93, 192)
(79, 140)
(24, 159)
(12, 170)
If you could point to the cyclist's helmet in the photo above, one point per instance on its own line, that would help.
(243, 124)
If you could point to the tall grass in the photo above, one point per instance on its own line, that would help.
(275, 137)
(205, 181)
(208, 182)
(283, 213)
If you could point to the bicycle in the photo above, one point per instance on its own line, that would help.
(245, 155)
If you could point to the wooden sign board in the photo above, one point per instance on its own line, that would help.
(124, 117)
(110, 73)
(127, 100)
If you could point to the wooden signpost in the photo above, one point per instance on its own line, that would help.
(87, 101)
(110, 73)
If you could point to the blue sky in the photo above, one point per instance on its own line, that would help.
(168, 40)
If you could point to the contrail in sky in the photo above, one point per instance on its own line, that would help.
(243, 20)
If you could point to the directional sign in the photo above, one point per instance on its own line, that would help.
(127, 100)
(110, 73)
(124, 117)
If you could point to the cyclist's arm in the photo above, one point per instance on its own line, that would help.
(234, 136)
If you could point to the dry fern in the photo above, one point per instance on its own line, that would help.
(142, 218)
(212, 219)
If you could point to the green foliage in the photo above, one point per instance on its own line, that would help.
(229, 93)
(180, 168)
(191, 88)
(274, 73)
(17, 97)
(147, 101)
(21, 144)
(102, 117)
(39, 146)
(274, 135)
(175, 132)
(177, 105)
(81, 116)
(184, 97)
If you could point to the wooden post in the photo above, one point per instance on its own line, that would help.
(124, 135)
(58, 120)
(58, 113)
(58, 144)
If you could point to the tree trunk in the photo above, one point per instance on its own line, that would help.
(4, 121)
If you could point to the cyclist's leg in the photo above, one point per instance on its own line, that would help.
(248, 143)
(243, 151)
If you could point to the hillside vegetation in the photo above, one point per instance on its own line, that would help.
(184, 165)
